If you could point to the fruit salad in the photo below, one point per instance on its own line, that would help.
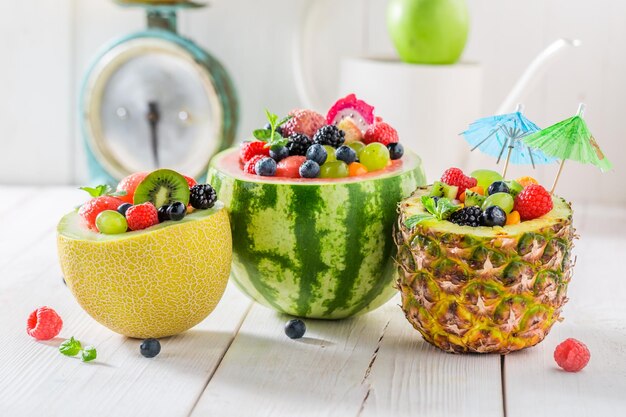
(484, 262)
(348, 142)
(143, 200)
(484, 198)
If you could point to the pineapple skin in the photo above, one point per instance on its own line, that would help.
(483, 293)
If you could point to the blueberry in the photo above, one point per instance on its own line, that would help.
(494, 216)
(309, 169)
(123, 208)
(150, 348)
(279, 152)
(317, 153)
(346, 154)
(265, 167)
(396, 150)
(498, 187)
(176, 211)
(295, 329)
(163, 213)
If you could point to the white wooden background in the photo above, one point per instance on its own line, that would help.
(46, 46)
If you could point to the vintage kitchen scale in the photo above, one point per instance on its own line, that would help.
(155, 99)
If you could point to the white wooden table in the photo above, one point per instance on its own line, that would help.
(238, 362)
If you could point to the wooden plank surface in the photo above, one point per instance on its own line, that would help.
(238, 362)
(596, 315)
(37, 379)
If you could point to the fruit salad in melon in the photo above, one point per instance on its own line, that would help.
(312, 205)
(484, 263)
(151, 259)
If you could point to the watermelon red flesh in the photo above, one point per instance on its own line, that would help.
(321, 248)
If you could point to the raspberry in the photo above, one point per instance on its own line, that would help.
(190, 181)
(44, 323)
(248, 168)
(454, 176)
(532, 202)
(142, 216)
(572, 355)
(381, 132)
(304, 122)
(129, 184)
(90, 210)
(250, 149)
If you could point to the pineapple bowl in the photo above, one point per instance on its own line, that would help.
(483, 289)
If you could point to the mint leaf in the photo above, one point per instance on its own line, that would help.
(442, 209)
(429, 204)
(284, 120)
(272, 118)
(88, 354)
(103, 189)
(416, 219)
(70, 347)
(262, 134)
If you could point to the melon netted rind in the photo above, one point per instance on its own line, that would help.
(484, 289)
(150, 283)
(314, 248)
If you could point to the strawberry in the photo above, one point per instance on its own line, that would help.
(90, 210)
(249, 149)
(248, 168)
(290, 166)
(142, 216)
(381, 132)
(532, 202)
(190, 181)
(129, 185)
(454, 176)
(304, 122)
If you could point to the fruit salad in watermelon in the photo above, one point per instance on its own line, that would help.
(312, 205)
(350, 141)
(484, 263)
(150, 259)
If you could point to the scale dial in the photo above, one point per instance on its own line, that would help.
(149, 104)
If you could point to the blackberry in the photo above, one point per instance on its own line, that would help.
(468, 216)
(298, 144)
(330, 135)
(202, 196)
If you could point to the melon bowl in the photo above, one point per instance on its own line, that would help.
(484, 289)
(317, 248)
(150, 283)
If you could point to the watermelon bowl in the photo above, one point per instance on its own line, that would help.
(315, 248)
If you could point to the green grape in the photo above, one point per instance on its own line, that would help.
(486, 177)
(502, 200)
(331, 154)
(374, 156)
(357, 147)
(335, 169)
(110, 222)
(514, 187)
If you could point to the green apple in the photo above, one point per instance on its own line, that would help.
(428, 31)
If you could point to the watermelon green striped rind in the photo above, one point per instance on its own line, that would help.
(318, 248)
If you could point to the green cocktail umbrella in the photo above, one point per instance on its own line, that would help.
(569, 139)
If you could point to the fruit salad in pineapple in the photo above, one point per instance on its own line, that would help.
(484, 263)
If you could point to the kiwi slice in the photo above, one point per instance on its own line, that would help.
(162, 187)
(441, 189)
(473, 199)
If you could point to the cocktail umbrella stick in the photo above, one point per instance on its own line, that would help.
(519, 109)
(579, 113)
